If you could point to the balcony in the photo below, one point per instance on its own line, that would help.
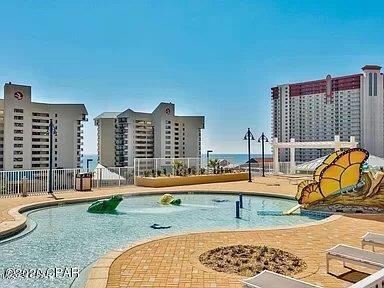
(40, 128)
(119, 158)
(40, 159)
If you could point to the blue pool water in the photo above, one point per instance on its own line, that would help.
(69, 237)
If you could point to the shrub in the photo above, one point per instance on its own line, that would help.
(178, 167)
(147, 173)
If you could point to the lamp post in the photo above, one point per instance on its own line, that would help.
(249, 136)
(262, 139)
(208, 151)
(52, 130)
(88, 160)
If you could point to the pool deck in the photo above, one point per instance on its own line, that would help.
(173, 261)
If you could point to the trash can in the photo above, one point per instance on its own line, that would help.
(83, 181)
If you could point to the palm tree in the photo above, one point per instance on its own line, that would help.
(177, 166)
(214, 163)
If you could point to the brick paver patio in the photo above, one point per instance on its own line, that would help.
(173, 261)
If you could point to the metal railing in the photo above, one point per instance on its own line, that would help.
(284, 167)
(23, 182)
(168, 166)
(35, 182)
(153, 167)
(112, 176)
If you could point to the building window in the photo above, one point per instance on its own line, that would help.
(16, 110)
(370, 84)
(40, 114)
(375, 84)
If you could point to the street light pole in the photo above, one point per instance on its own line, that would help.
(51, 131)
(262, 139)
(249, 136)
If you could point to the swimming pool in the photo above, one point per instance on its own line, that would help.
(68, 237)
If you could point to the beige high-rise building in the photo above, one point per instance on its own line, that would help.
(160, 134)
(350, 105)
(24, 138)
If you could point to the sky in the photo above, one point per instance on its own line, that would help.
(213, 58)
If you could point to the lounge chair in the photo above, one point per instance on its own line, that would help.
(352, 255)
(373, 239)
(267, 279)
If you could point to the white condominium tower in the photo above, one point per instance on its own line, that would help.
(160, 134)
(24, 138)
(318, 110)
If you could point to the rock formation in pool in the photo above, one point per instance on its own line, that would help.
(105, 206)
(167, 199)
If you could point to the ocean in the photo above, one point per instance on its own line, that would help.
(232, 158)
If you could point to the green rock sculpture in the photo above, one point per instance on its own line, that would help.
(105, 206)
